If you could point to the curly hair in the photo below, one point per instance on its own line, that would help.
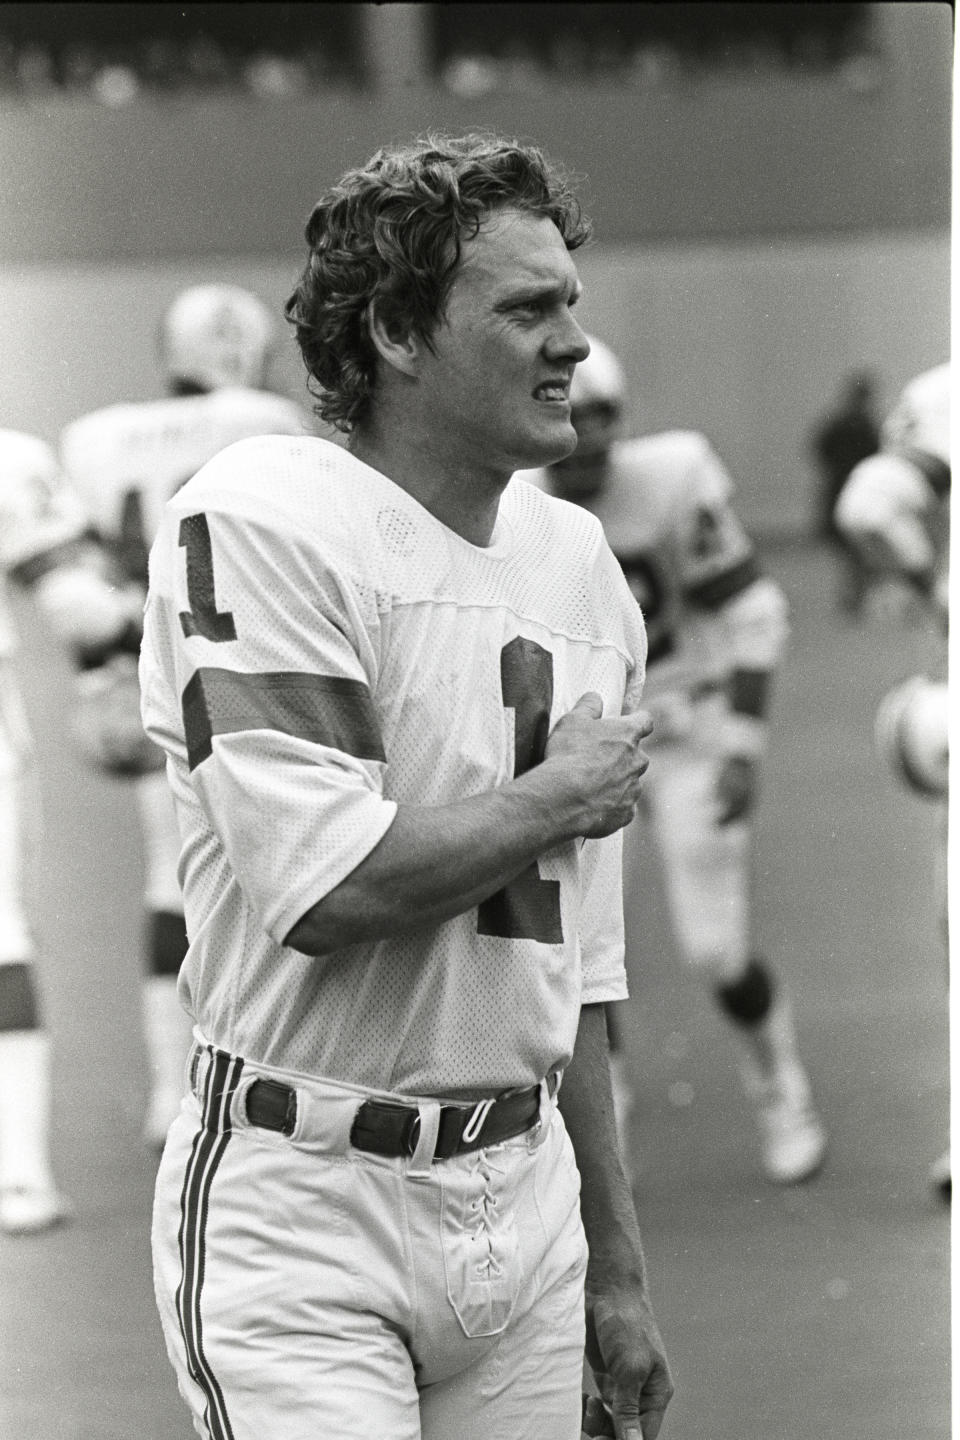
(391, 231)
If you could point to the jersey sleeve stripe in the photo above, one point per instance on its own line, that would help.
(33, 568)
(718, 589)
(324, 709)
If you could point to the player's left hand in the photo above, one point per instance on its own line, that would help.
(629, 1363)
(736, 788)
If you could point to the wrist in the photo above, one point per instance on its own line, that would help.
(620, 1265)
(554, 801)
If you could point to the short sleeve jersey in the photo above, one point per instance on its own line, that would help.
(666, 509)
(318, 650)
(39, 516)
(127, 460)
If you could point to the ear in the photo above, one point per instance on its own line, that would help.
(399, 348)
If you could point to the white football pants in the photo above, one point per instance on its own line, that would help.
(310, 1289)
(706, 866)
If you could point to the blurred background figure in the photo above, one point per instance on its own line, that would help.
(895, 508)
(43, 547)
(846, 435)
(125, 461)
(716, 630)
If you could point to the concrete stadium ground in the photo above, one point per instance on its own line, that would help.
(820, 1311)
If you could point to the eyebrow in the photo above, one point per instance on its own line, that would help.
(540, 290)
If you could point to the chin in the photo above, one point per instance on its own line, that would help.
(547, 448)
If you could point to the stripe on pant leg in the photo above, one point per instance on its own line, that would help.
(208, 1149)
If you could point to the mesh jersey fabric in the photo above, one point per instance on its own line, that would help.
(37, 513)
(356, 655)
(666, 509)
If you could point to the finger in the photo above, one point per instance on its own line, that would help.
(626, 1414)
(589, 704)
(642, 722)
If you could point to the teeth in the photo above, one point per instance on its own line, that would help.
(552, 392)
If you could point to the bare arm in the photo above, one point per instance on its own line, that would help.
(624, 1347)
(439, 861)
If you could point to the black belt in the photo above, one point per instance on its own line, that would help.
(387, 1127)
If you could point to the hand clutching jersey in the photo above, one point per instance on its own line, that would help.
(125, 462)
(714, 622)
(319, 649)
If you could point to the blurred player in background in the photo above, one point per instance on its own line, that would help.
(844, 437)
(895, 507)
(717, 629)
(125, 461)
(42, 546)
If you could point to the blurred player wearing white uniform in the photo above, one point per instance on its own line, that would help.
(716, 628)
(126, 460)
(381, 706)
(896, 508)
(42, 546)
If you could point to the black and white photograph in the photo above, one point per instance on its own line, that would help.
(474, 732)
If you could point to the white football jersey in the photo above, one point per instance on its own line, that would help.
(665, 507)
(319, 649)
(127, 460)
(38, 516)
(902, 495)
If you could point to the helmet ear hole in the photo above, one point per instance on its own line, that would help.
(912, 734)
(214, 336)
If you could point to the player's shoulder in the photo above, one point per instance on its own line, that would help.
(23, 456)
(530, 502)
(257, 411)
(109, 428)
(670, 472)
(281, 479)
(673, 452)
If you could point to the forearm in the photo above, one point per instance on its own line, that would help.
(436, 862)
(606, 1203)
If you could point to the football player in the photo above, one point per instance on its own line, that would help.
(126, 460)
(716, 628)
(895, 507)
(43, 547)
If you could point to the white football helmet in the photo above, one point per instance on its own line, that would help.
(598, 380)
(912, 731)
(597, 393)
(213, 336)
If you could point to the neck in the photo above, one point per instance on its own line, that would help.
(464, 497)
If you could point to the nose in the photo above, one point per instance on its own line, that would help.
(568, 341)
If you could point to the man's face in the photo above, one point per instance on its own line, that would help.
(497, 388)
